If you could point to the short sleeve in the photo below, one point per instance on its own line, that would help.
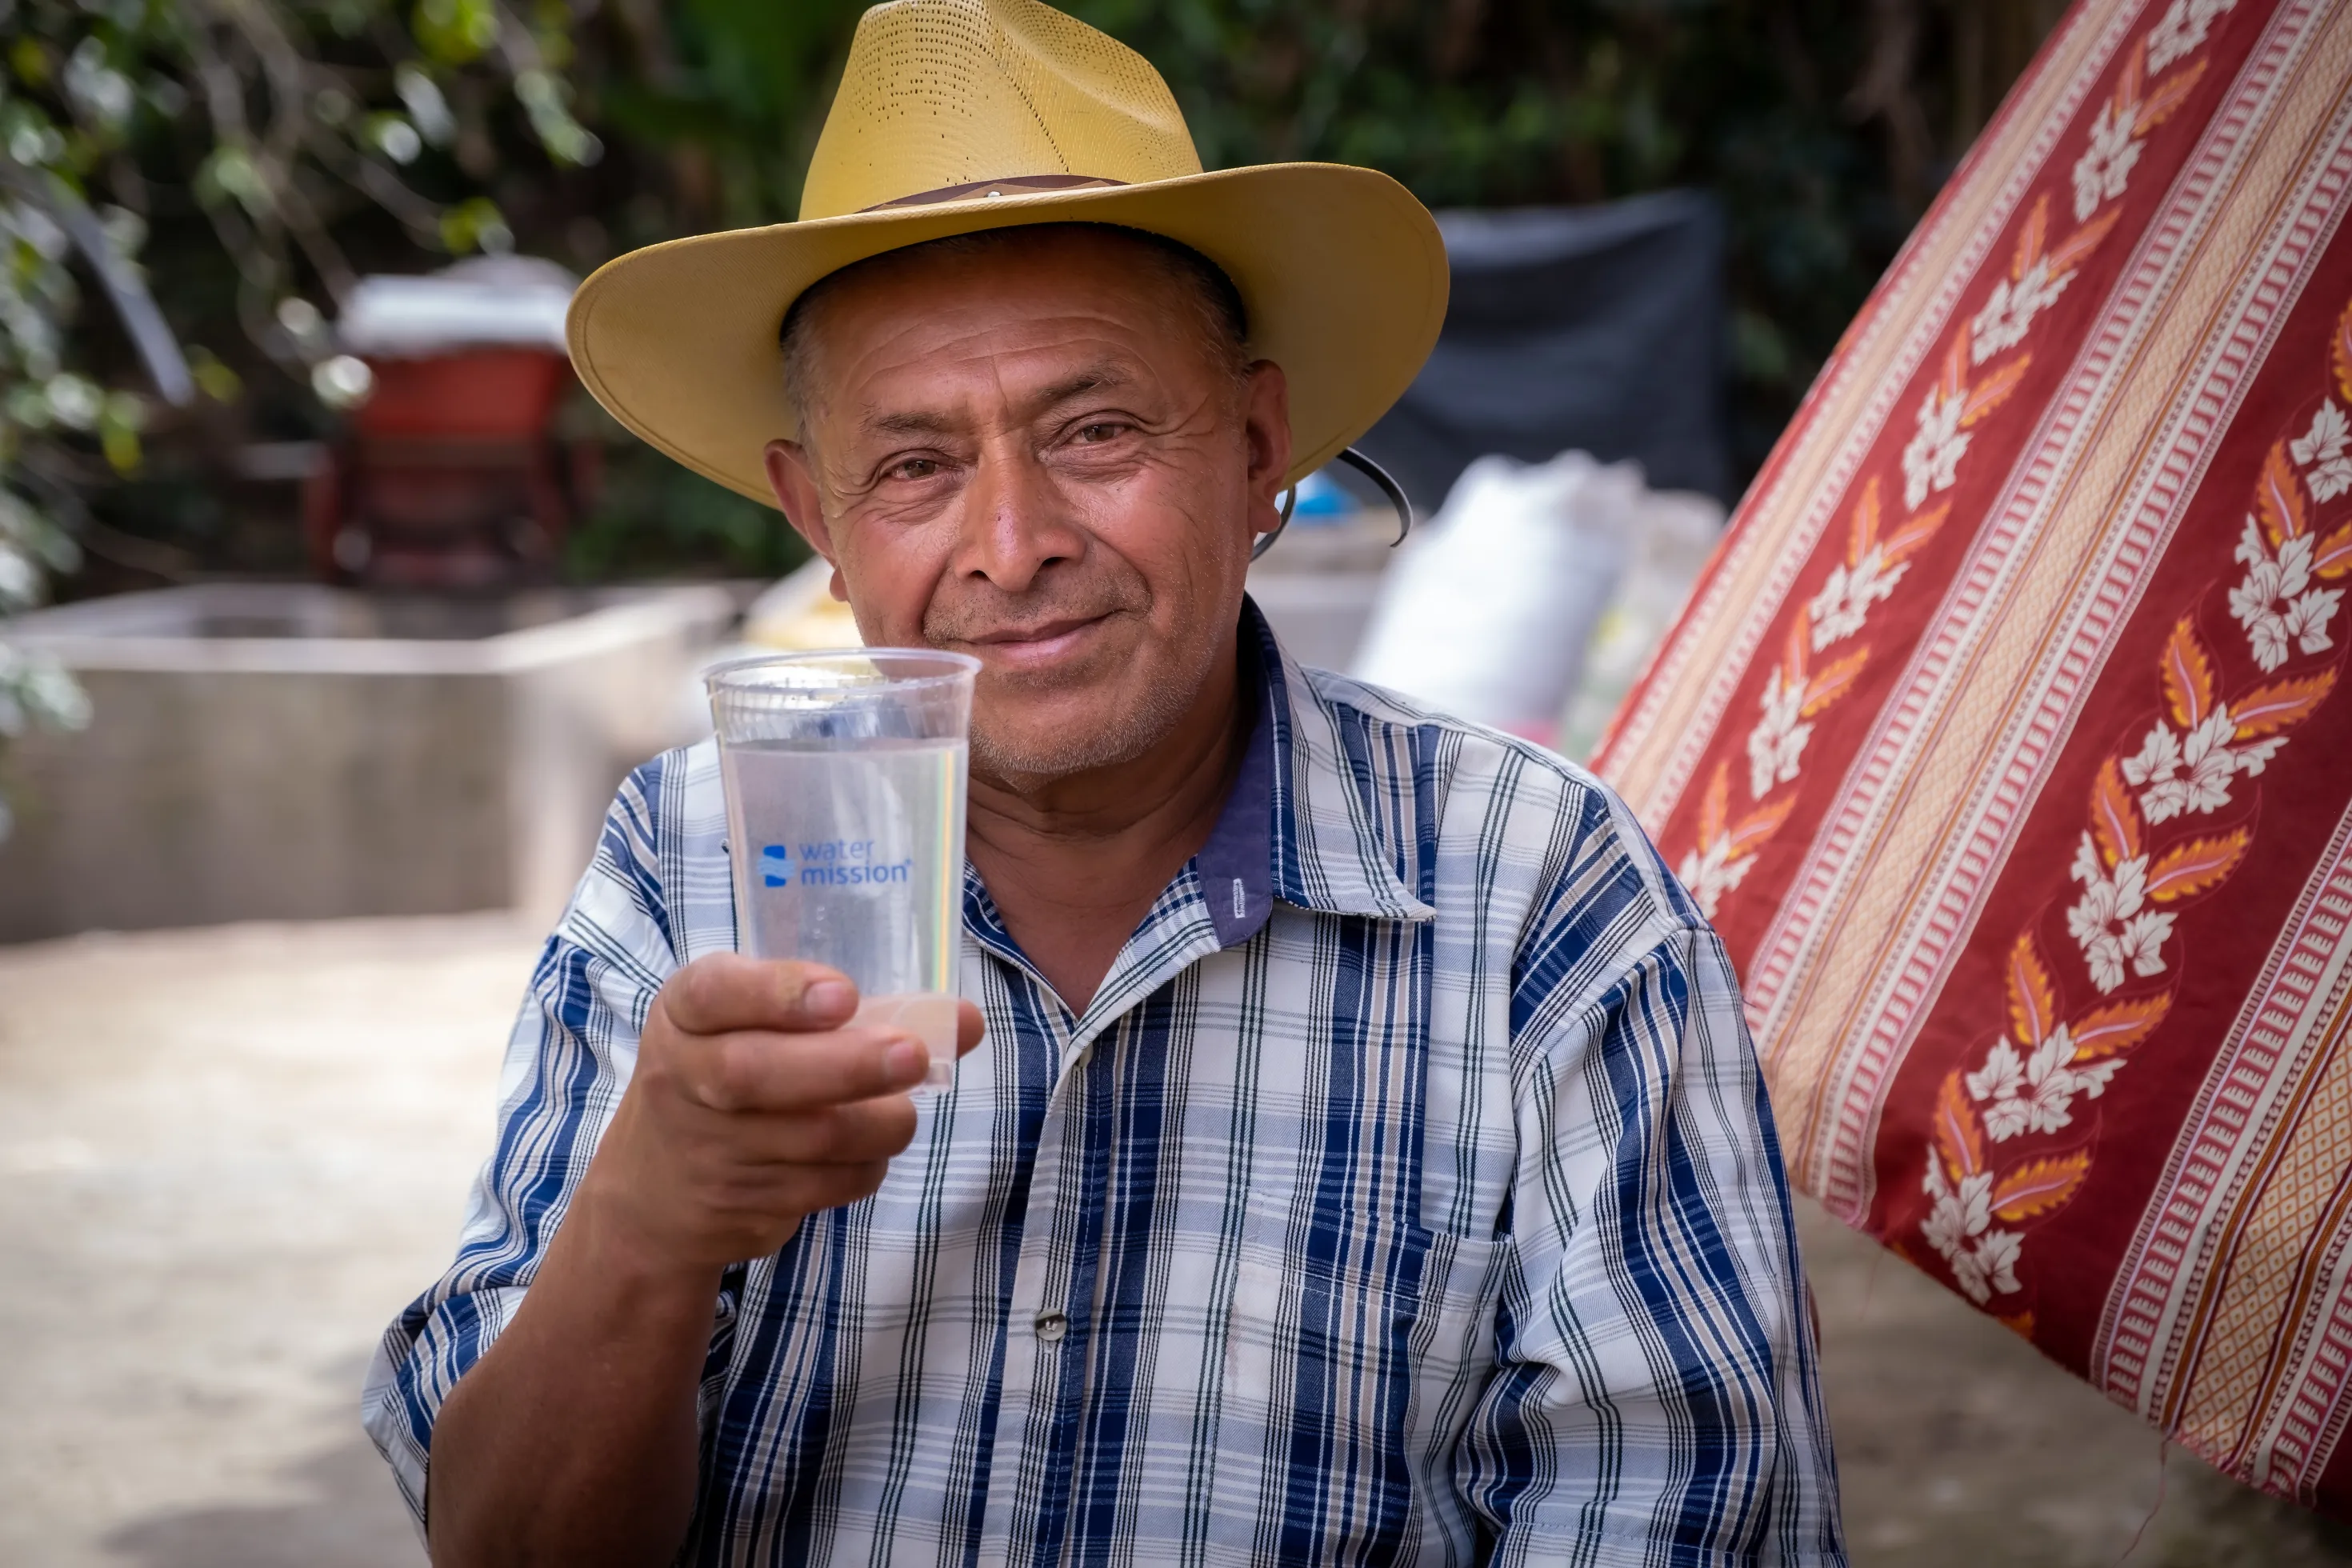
(569, 1059)
(1656, 1398)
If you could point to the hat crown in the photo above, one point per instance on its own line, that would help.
(942, 93)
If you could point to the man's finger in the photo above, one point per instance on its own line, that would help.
(854, 1134)
(970, 1027)
(751, 1069)
(816, 1188)
(723, 992)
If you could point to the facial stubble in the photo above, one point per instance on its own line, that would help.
(1128, 722)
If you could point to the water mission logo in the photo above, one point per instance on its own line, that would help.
(835, 863)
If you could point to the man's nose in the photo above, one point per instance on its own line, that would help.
(1016, 524)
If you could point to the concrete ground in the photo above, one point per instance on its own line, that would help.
(226, 1157)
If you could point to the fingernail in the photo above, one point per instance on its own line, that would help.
(909, 1061)
(829, 997)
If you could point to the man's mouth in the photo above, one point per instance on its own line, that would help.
(1040, 644)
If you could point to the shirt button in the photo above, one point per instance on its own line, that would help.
(1052, 1326)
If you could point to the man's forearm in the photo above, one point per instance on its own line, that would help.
(574, 1439)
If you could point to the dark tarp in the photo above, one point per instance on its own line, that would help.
(1596, 327)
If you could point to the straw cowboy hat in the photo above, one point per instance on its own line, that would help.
(958, 115)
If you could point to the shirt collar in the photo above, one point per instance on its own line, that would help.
(1341, 842)
(1236, 865)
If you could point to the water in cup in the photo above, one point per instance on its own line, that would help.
(855, 859)
(845, 777)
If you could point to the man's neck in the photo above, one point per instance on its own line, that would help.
(1074, 863)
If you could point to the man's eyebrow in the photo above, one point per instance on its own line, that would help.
(909, 423)
(920, 422)
(1092, 379)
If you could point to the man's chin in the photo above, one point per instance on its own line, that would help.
(1029, 733)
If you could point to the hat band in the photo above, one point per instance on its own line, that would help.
(1016, 183)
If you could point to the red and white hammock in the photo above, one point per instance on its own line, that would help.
(2009, 737)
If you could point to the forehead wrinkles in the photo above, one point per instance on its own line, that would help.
(941, 314)
(913, 381)
(1128, 278)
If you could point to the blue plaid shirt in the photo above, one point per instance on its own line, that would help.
(1406, 1193)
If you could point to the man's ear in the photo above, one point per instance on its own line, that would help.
(1266, 423)
(793, 477)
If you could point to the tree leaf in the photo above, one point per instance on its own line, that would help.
(1906, 540)
(1988, 394)
(2118, 1026)
(2339, 353)
(2038, 1186)
(2267, 709)
(2278, 498)
(2033, 1000)
(1954, 381)
(2196, 866)
(2071, 251)
(2030, 237)
(2129, 79)
(1862, 530)
(2332, 557)
(2115, 820)
(1714, 805)
(1800, 649)
(1761, 823)
(2188, 675)
(1958, 1137)
(1831, 682)
(2169, 96)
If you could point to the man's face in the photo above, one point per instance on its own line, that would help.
(1031, 455)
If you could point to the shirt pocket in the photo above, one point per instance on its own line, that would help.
(1366, 1338)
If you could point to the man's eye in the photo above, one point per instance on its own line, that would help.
(914, 469)
(1096, 434)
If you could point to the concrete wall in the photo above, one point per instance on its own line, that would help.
(244, 777)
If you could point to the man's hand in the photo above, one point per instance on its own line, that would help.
(753, 1106)
(574, 1440)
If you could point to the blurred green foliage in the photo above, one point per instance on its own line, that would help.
(235, 162)
(578, 128)
(1822, 126)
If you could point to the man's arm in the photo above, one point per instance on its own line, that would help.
(574, 1440)
(1655, 1399)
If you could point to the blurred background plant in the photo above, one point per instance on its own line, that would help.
(1822, 126)
(237, 163)
(243, 160)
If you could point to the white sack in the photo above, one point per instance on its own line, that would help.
(1486, 611)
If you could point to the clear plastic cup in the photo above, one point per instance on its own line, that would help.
(844, 776)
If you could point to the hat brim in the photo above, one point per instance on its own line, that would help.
(1342, 271)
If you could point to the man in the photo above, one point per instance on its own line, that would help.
(1365, 1159)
